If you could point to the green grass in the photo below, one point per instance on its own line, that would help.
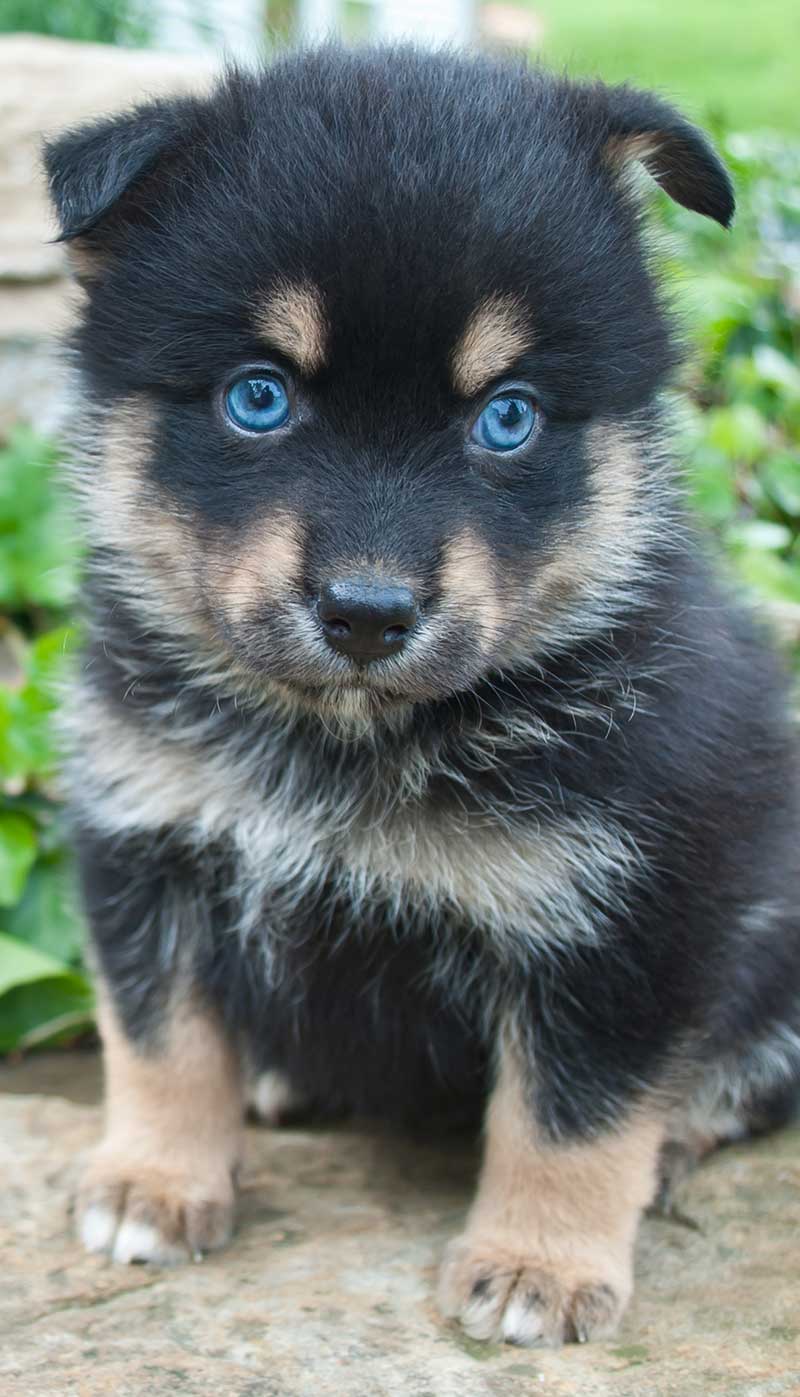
(727, 63)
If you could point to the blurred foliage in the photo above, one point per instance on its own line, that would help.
(44, 995)
(739, 295)
(736, 64)
(95, 21)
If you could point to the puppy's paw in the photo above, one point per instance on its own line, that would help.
(271, 1099)
(500, 1292)
(153, 1213)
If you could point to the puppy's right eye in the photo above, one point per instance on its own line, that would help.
(257, 403)
(506, 422)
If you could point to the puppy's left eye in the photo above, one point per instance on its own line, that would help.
(506, 422)
(257, 403)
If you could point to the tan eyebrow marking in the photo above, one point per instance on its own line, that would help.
(292, 319)
(495, 336)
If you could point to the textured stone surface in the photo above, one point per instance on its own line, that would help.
(326, 1289)
(46, 85)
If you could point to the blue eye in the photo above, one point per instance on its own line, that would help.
(257, 403)
(507, 421)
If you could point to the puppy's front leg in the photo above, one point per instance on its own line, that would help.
(547, 1253)
(160, 1187)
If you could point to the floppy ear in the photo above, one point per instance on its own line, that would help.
(679, 157)
(96, 172)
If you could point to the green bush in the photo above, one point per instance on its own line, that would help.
(94, 21)
(739, 294)
(44, 996)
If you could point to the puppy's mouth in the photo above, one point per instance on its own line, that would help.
(290, 651)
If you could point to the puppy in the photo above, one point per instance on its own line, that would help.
(419, 760)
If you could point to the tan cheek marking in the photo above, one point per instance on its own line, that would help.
(292, 319)
(268, 565)
(129, 512)
(494, 339)
(125, 504)
(468, 584)
(609, 530)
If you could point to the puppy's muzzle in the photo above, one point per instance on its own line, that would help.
(366, 620)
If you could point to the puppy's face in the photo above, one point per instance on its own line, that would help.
(368, 340)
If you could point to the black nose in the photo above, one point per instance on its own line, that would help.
(367, 620)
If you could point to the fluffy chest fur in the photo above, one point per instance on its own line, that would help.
(422, 826)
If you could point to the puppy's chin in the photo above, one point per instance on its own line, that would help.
(346, 709)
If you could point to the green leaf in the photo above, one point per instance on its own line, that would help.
(37, 536)
(770, 575)
(781, 480)
(777, 370)
(27, 741)
(739, 431)
(713, 488)
(17, 855)
(49, 1011)
(48, 659)
(48, 917)
(40, 1000)
(21, 964)
(760, 534)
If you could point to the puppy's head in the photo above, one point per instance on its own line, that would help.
(370, 340)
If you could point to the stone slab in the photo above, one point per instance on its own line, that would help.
(326, 1290)
(47, 85)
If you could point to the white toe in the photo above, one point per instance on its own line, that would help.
(97, 1228)
(522, 1324)
(138, 1241)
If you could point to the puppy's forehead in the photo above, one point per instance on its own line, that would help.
(291, 316)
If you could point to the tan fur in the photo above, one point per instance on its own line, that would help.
(543, 886)
(468, 584)
(548, 1247)
(495, 337)
(594, 552)
(373, 568)
(115, 491)
(582, 560)
(594, 557)
(268, 565)
(626, 155)
(127, 511)
(161, 1184)
(640, 145)
(292, 320)
(87, 264)
(173, 567)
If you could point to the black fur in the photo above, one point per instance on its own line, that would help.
(409, 189)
